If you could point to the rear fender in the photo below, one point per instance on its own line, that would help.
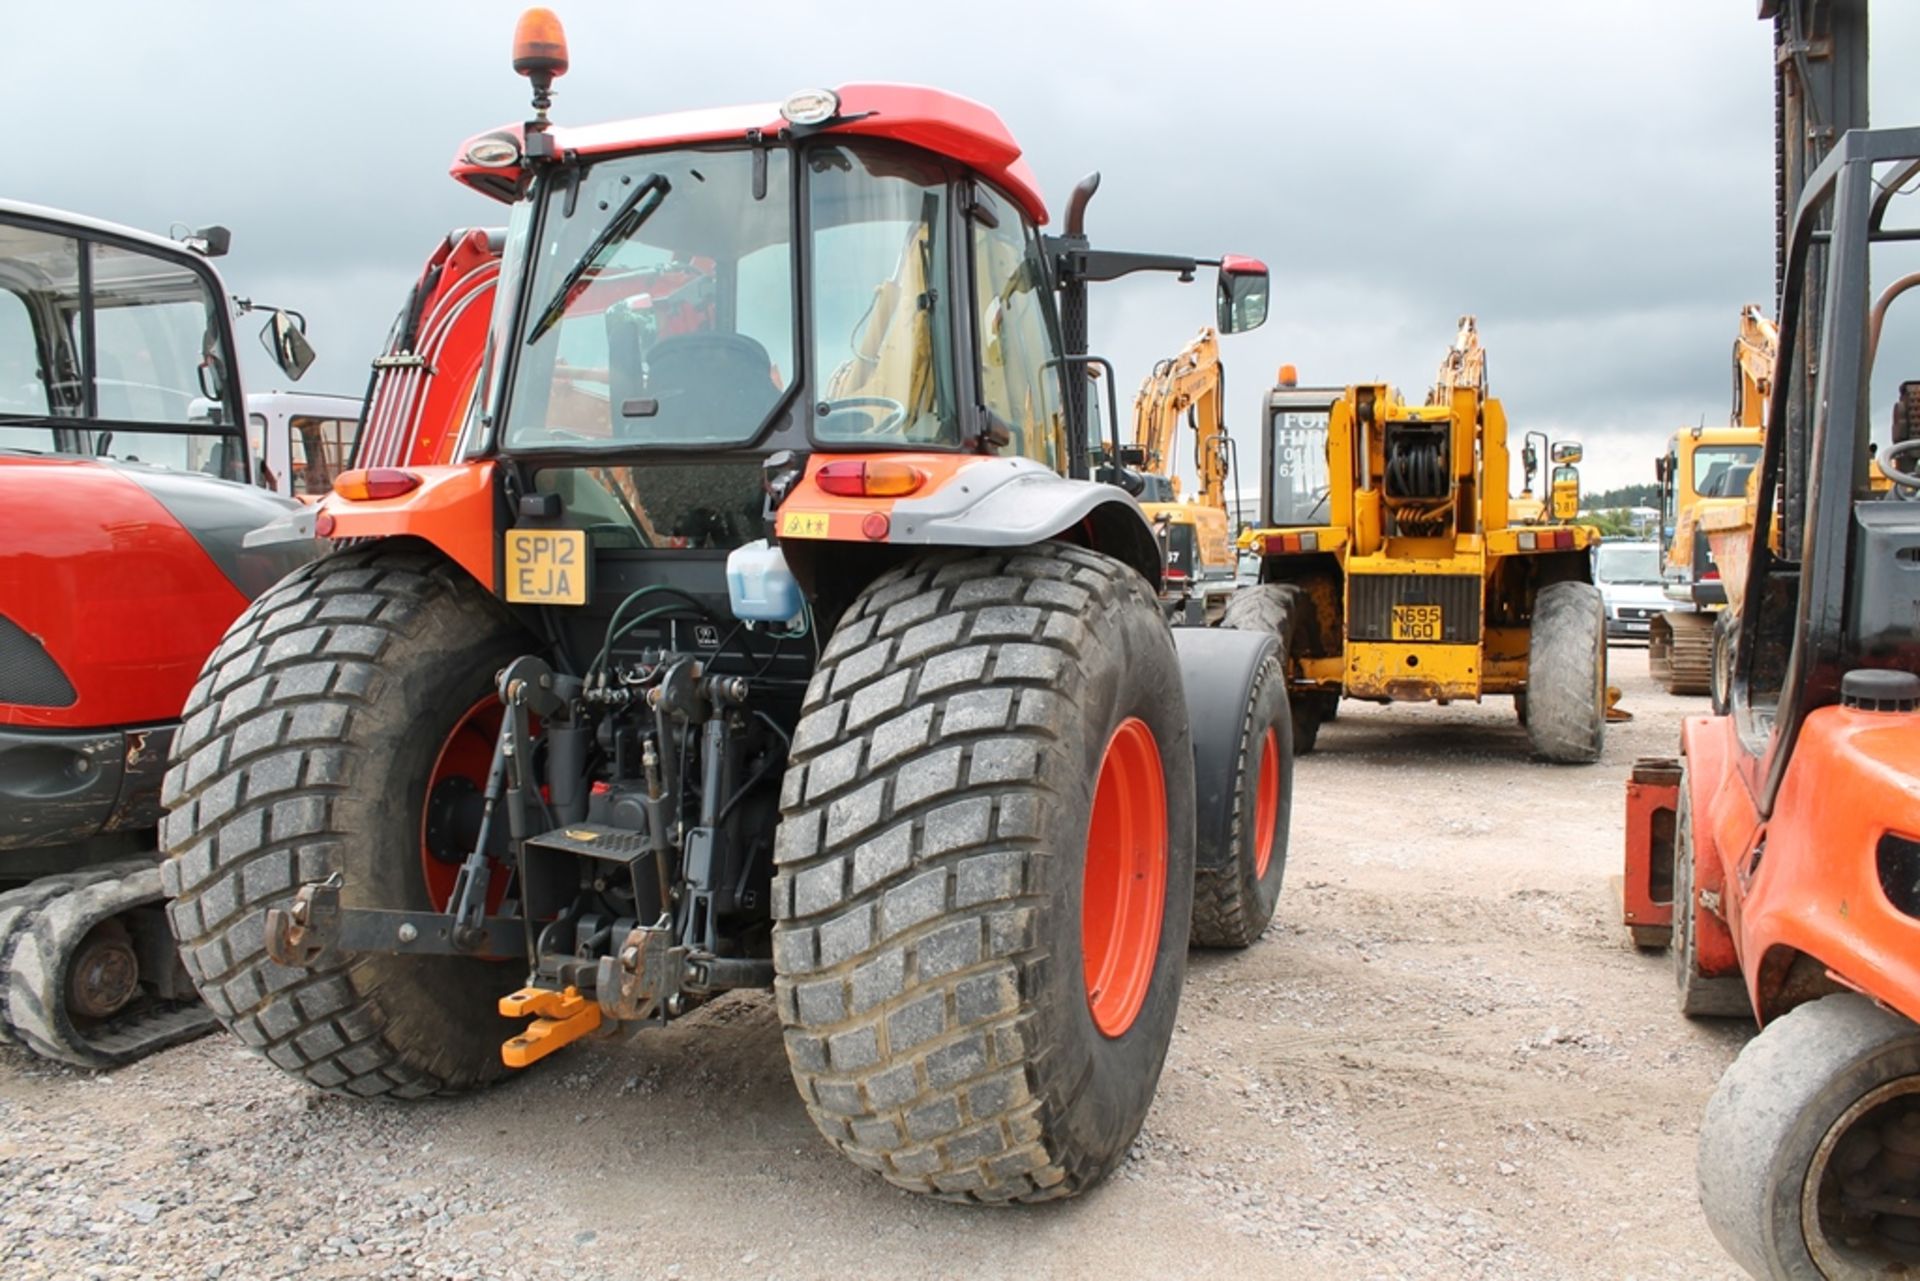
(454, 509)
(964, 501)
(1217, 668)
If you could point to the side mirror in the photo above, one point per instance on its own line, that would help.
(1241, 298)
(1566, 453)
(285, 339)
(1566, 489)
(208, 242)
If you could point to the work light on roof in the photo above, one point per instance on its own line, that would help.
(494, 152)
(811, 107)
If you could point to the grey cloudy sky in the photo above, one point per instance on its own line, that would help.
(1592, 180)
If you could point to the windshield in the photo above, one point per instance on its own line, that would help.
(1299, 483)
(1627, 563)
(660, 310)
(124, 369)
(1721, 471)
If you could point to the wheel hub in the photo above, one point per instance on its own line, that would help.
(1266, 804)
(1124, 884)
(1860, 1205)
(105, 974)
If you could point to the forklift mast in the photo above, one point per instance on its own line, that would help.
(1819, 93)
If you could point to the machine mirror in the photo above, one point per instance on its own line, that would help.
(1567, 452)
(284, 336)
(1566, 489)
(1241, 302)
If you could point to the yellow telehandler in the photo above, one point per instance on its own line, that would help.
(1392, 569)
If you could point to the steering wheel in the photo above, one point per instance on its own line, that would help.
(885, 424)
(1898, 463)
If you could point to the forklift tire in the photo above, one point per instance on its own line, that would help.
(304, 751)
(1726, 636)
(1785, 1124)
(1567, 674)
(1233, 903)
(1274, 608)
(984, 873)
(1721, 996)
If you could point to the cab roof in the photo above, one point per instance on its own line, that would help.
(946, 124)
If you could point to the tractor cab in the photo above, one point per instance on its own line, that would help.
(697, 313)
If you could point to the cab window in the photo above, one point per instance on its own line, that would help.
(1019, 380)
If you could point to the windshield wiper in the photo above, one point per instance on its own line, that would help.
(625, 221)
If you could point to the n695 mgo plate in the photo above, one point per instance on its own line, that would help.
(1416, 623)
(547, 566)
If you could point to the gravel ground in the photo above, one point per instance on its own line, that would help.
(1443, 1060)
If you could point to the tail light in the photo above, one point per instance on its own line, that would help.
(864, 479)
(1274, 544)
(366, 484)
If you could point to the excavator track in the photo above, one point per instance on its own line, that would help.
(1680, 652)
(88, 973)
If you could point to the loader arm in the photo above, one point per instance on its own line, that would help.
(1192, 382)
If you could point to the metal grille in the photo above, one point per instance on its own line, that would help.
(1371, 598)
(28, 675)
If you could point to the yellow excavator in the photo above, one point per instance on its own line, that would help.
(1200, 553)
(1704, 479)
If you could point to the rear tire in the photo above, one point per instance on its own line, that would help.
(1275, 609)
(1232, 905)
(1566, 697)
(1774, 1142)
(934, 860)
(305, 750)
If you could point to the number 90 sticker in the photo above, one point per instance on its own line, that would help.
(803, 524)
(547, 566)
(1416, 623)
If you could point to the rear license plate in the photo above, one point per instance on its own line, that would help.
(547, 566)
(1416, 623)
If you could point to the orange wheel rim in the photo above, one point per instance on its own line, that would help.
(1266, 804)
(1124, 884)
(466, 754)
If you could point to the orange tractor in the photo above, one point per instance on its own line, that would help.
(1780, 856)
(740, 611)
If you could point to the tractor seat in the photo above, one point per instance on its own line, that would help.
(704, 387)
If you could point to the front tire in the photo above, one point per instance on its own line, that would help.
(1566, 696)
(985, 873)
(1720, 996)
(305, 750)
(1233, 904)
(1796, 1137)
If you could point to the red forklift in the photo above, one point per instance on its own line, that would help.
(1782, 850)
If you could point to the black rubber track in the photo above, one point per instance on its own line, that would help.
(1233, 905)
(18, 908)
(1274, 608)
(929, 865)
(34, 979)
(1566, 697)
(304, 750)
